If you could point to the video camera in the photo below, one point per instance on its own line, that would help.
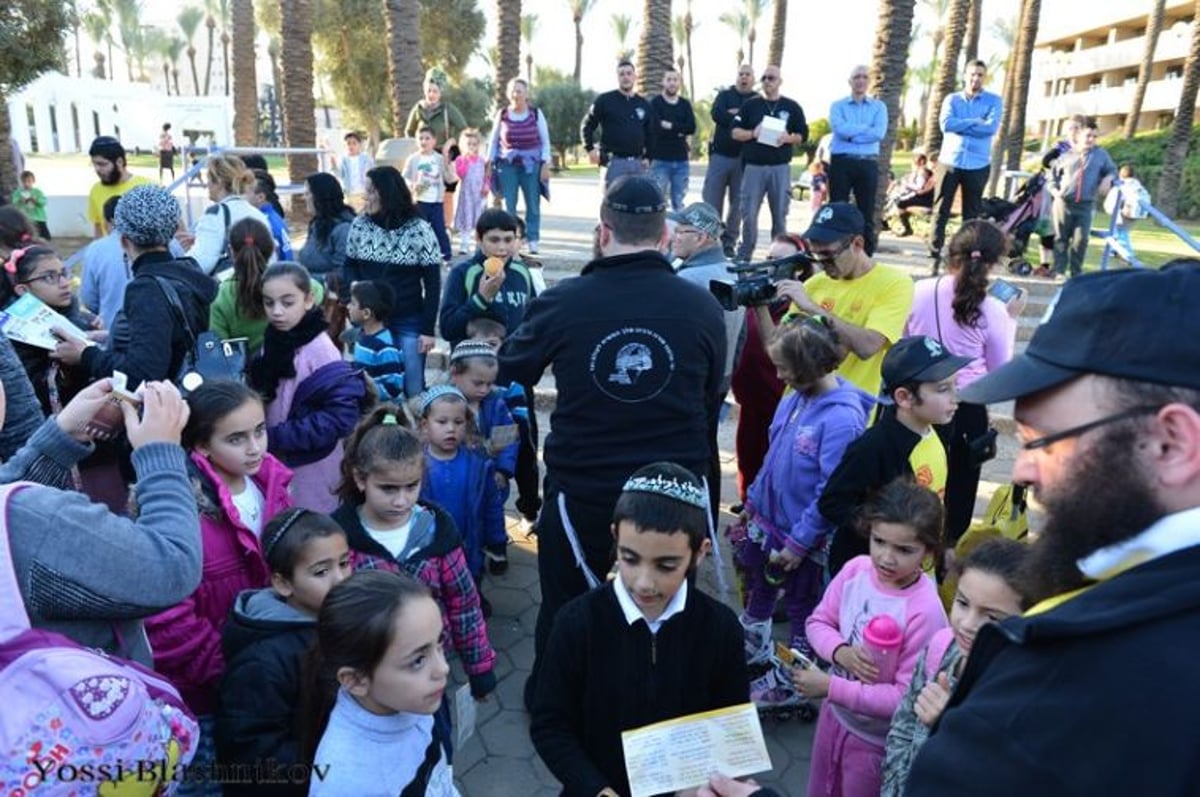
(755, 282)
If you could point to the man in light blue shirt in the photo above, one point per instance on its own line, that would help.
(858, 123)
(968, 120)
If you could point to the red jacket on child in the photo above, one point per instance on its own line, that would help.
(186, 639)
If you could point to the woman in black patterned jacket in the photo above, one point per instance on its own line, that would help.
(392, 243)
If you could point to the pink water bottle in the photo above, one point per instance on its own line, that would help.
(882, 638)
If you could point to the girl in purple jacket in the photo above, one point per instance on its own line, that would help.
(313, 396)
(785, 542)
(238, 488)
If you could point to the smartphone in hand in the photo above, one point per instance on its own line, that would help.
(1004, 291)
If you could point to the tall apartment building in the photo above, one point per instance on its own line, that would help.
(1089, 65)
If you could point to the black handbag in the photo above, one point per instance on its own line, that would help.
(207, 357)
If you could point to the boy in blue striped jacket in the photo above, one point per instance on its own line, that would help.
(376, 351)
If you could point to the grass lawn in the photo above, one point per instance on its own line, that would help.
(1153, 245)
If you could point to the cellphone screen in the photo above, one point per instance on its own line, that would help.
(1004, 291)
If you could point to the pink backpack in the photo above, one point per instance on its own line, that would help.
(76, 720)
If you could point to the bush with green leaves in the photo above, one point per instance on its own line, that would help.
(564, 105)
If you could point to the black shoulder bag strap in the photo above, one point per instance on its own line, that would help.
(172, 295)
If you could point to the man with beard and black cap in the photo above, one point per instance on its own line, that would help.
(1092, 691)
(108, 161)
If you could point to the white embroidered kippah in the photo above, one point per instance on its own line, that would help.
(668, 486)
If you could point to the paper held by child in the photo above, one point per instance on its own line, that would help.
(771, 130)
(29, 320)
(682, 753)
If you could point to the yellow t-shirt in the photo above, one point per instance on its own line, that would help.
(101, 193)
(928, 461)
(880, 301)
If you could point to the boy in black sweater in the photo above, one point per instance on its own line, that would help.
(918, 384)
(645, 647)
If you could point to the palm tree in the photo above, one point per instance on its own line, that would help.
(174, 49)
(129, 28)
(299, 119)
(679, 36)
(96, 27)
(654, 46)
(739, 23)
(403, 21)
(974, 23)
(210, 22)
(579, 9)
(690, 26)
(189, 20)
(754, 9)
(1181, 128)
(223, 11)
(1022, 67)
(245, 81)
(621, 25)
(778, 26)
(1154, 21)
(528, 27)
(892, 40)
(508, 48)
(105, 9)
(947, 74)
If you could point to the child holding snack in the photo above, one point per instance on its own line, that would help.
(904, 523)
(427, 171)
(645, 647)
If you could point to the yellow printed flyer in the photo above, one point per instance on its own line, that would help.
(682, 753)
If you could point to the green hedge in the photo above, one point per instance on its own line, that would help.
(1145, 152)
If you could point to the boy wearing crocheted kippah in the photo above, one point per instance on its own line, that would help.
(644, 647)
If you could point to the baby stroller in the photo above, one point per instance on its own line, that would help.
(1019, 217)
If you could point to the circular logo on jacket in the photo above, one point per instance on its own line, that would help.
(632, 364)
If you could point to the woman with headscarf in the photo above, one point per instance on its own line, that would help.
(447, 123)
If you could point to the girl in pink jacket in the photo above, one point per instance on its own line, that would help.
(238, 488)
(865, 686)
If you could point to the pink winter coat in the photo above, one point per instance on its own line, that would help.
(186, 639)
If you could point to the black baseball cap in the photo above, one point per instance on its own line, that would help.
(635, 194)
(918, 359)
(835, 221)
(1135, 324)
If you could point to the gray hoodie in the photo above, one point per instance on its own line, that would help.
(89, 574)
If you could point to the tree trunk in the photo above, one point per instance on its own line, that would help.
(508, 48)
(167, 78)
(211, 24)
(974, 23)
(403, 18)
(775, 50)
(1000, 141)
(1167, 195)
(578, 49)
(245, 77)
(225, 54)
(174, 79)
(889, 63)
(687, 27)
(8, 169)
(1154, 23)
(299, 113)
(948, 73)
(1015, 131)
(654, 47)
(191, 53)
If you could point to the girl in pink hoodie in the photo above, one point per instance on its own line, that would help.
(905, 526)
(239, 487)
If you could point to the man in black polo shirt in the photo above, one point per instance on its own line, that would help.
(624, 118)
(674, 121)
(768, 126)
(724, 173)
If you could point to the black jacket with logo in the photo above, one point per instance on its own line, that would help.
(625, 125)
(638, 355)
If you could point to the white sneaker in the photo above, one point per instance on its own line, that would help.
(533, 247)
